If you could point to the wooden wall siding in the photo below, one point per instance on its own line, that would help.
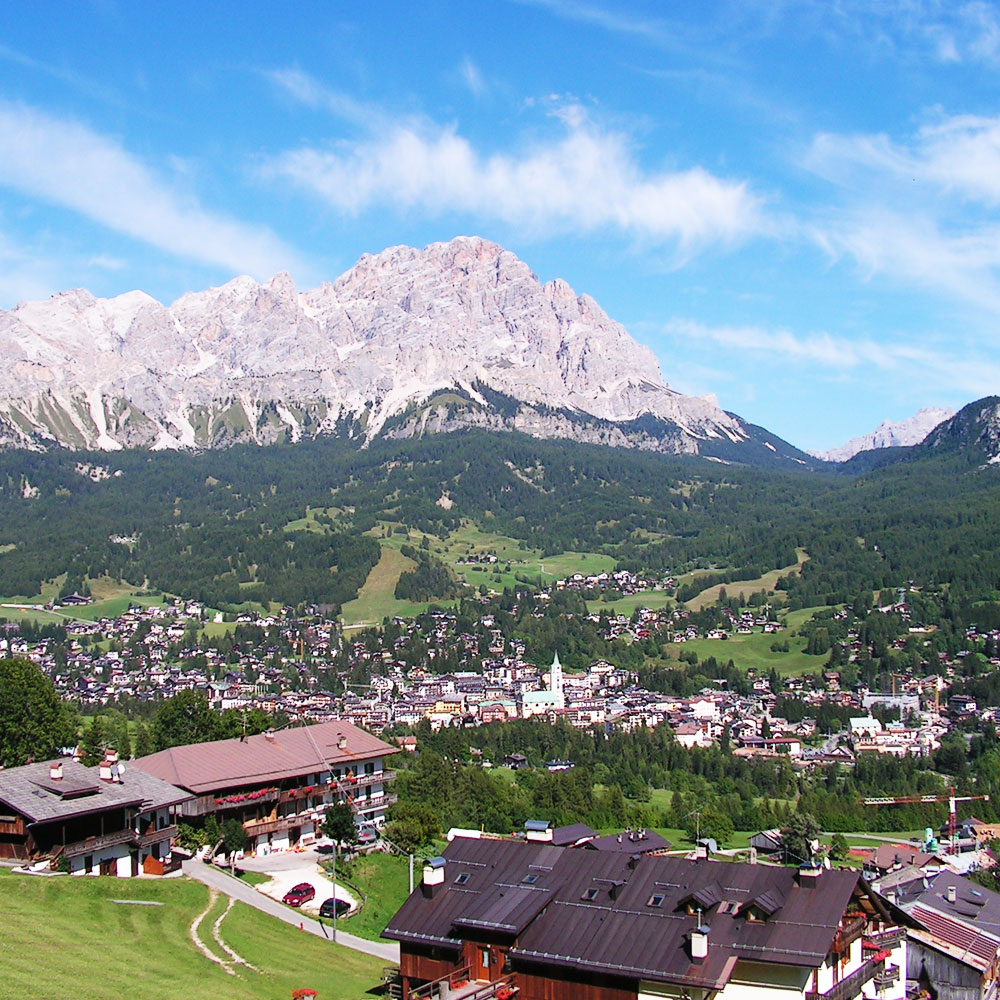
(422, 966)
(574, 986)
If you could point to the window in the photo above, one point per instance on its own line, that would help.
(530, 879)
(462, 879)
(485, 955)
(655, 900)
(590, 894)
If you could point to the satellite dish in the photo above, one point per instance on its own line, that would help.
(121, 768)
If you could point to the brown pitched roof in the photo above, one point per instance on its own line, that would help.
(206, 767)
(625, 915)
(30, 791)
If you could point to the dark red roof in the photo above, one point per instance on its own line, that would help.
(626, 914)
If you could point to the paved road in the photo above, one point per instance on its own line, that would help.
(387, 951)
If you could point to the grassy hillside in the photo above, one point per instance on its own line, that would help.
(68, 937)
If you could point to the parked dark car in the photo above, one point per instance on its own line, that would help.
(330, 905)
(299, 894)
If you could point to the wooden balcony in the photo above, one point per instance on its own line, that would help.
(90, 845)
(849, 988)
(155, 836)
(260, 827)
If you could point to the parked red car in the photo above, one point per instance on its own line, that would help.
(299, 894)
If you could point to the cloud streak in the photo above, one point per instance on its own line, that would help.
(66, 163)
(584, 180)
(924, 210)
(841, 357)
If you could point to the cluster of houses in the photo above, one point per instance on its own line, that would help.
(155, 654)
(118, 819)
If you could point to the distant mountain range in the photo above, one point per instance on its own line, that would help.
(890, 435)
(406, 342)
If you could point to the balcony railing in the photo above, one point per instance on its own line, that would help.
(363, 780)
(258, 828)
(205, 804)
(850, 987)
(155, 836)
(91, 844)
(848, 933)
(375, 802)
(887, 939)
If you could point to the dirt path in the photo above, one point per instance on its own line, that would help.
(198, 943)
(237, 960)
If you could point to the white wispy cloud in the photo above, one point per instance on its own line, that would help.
(908, 363)
(65, 163)
(472, 77)
(584, 179)
(307, 90)
(923, 210)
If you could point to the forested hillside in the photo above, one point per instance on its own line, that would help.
(227, 526)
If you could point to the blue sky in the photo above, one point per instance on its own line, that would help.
(794, 204)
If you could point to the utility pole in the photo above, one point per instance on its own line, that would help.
(333, 923)
(411, 874)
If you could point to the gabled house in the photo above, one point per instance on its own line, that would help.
(279, 784)
(558, 923)
(88, 820)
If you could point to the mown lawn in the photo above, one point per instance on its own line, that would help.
(65, 937)
(375, 600)
(385, 881)
(766, 582)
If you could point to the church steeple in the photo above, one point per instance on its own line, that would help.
(556, 677)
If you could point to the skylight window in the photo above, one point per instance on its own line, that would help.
(590, 894)
(530, 879)
(462, 879)
(655, 900)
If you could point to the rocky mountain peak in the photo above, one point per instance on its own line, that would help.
(250, 361)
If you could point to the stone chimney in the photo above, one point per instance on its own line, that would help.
(433, 876)
(809, 875)
(55, 771)
(108, 770)
(952, 893)
(699, 942)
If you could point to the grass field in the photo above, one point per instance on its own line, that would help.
(385, 881)
(66, 937)
(652, 599)
(754, 650)
(766, 582)
(375, 600)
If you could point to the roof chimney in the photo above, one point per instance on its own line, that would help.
(699, 942)
(341, 741)
(108, 770)
(55, 770)
(269, 735)
(433, 876)
(809, 874)
(952, 893)
(701, 851)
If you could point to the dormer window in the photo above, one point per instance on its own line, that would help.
(656, 900)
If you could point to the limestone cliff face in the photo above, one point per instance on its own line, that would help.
(264, 362)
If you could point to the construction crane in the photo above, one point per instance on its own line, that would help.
(907, 800)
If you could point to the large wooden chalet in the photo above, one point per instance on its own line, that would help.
(554, 923)
(88, 820)
(279, 784)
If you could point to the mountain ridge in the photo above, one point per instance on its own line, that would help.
(264, 362)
